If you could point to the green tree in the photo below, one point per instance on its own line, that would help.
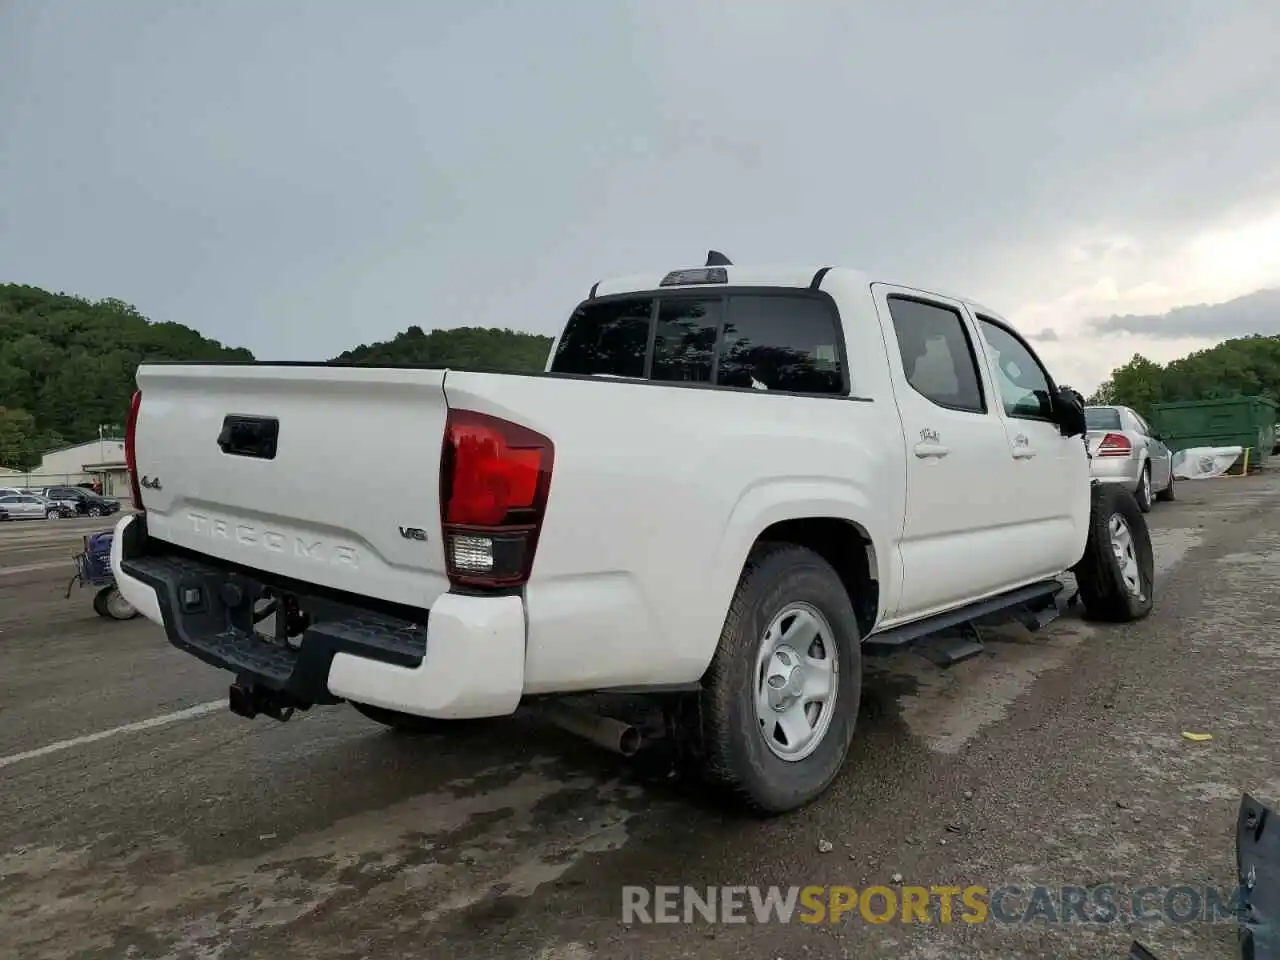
(67, 364)
(1247, 366)
(17, 439)
(1140, 383)
(506, 351)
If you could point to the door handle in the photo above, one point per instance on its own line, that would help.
(1023, 453)
(926, 450)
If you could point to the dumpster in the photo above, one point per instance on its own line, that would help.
(1227, 422)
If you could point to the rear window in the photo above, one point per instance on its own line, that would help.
(780, 343)
(753, 341)
(1102, 418)
(609, 337)
(684, 346)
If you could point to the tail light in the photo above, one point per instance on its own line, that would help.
(1114, 445)
(131, 449)
(494, 479)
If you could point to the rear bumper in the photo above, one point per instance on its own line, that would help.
(1120, 470)
(465, 660)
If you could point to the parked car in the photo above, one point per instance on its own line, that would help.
(729, 486)
(27, 506)
(82, 502)
(1124, 450)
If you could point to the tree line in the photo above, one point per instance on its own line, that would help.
(1247, 366)
(67, 364)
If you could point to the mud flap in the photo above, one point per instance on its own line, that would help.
(1258, 867)
(1258, 870)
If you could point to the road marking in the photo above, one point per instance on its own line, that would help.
(34, 567)
(199, 710)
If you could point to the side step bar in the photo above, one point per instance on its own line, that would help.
(1021, 604)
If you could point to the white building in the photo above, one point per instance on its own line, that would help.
(78, 464)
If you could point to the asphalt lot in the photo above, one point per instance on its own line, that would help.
(1056, 758)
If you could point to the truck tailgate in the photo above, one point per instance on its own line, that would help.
(349, 496)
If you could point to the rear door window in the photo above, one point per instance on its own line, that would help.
(781, 342)
(608, 337)
(937, 355)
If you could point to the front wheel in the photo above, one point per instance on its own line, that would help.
(54, 514)
(95, 511)
(1166, 495)
(780, 699)
(1116, 575)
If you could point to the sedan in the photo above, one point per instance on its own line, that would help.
(1123, 449)
(86, 503)
(25, 506)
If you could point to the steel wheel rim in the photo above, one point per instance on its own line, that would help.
(796, 682)
(1123, 549)
(118, 606)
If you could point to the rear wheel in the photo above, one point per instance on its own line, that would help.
(419, 726)
(52, 514)
(1143, 493)
(780, 699)
(1116, 575)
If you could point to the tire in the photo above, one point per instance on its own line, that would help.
(118, 608)
(736, 754)
(111, 604)
(53, 514)
(95, 511)
(1106, 593)
(1143, 493)
(1166, 495)
(408, 723)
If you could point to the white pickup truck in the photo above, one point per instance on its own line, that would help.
(728, 486)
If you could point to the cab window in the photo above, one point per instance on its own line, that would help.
(1022, 382)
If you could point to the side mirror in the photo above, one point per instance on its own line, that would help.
(1068, 412)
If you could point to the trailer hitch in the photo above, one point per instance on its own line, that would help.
(248, 700)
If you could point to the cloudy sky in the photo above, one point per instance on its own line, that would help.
(298, 177)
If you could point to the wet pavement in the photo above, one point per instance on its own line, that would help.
(138, 819)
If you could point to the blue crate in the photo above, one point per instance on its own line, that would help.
(93, 566)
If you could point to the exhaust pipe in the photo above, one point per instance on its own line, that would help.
(613, 735)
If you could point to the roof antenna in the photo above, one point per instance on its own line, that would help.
(717, 259)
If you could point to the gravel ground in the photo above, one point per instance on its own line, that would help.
(139, 819)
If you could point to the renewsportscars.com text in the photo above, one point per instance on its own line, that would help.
(972, 904)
